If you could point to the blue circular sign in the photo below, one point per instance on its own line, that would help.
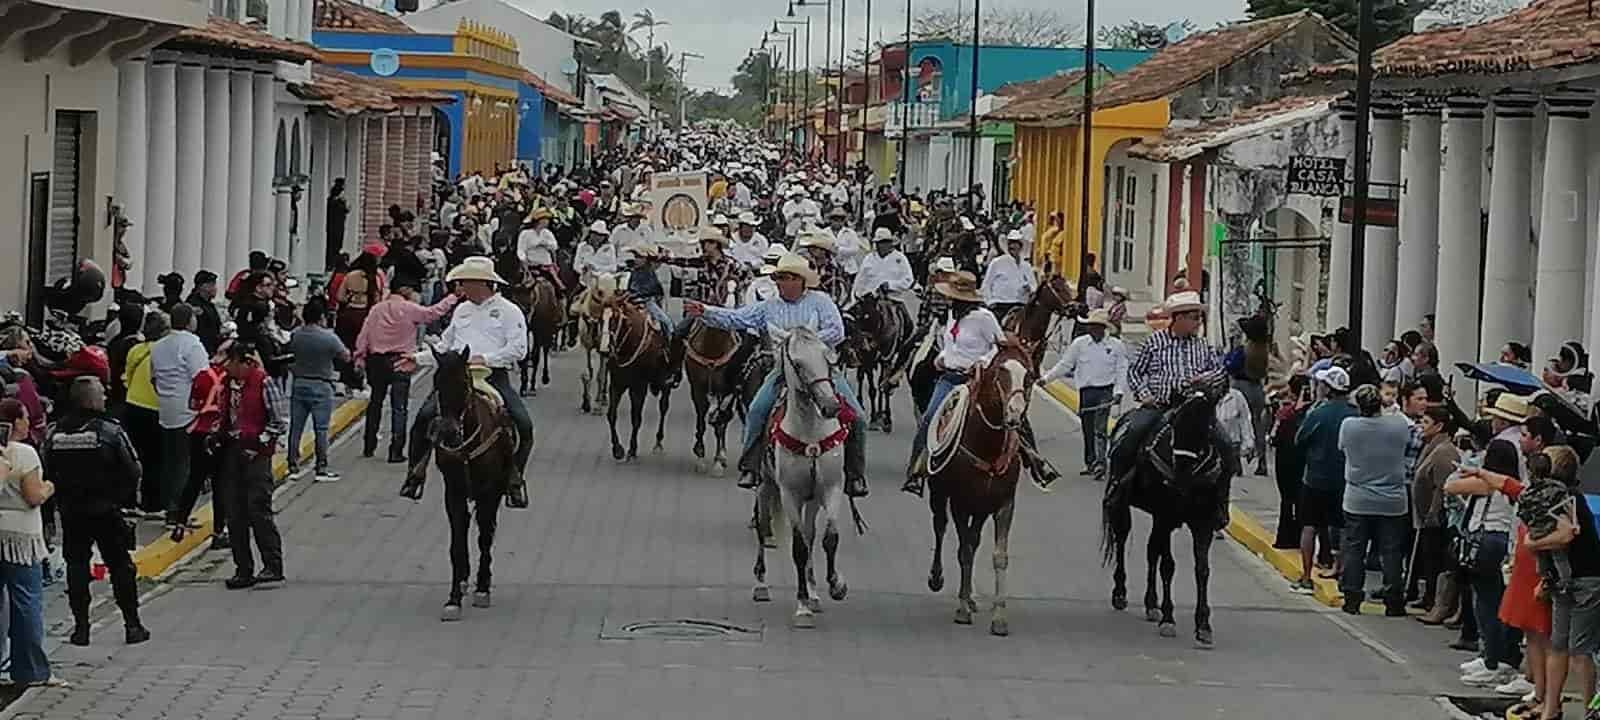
(385, 62)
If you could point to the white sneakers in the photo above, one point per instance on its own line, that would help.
(1472, 665)
(1516, 687)
(1484, 677)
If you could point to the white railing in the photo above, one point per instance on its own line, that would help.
(913, 115)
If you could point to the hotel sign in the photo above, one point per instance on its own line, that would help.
(1319, 176)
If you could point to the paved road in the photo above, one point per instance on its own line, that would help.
(356, 633)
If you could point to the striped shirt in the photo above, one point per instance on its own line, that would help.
(1166, 362)
(813, 309)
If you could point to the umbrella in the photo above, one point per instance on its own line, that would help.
(1514, 378)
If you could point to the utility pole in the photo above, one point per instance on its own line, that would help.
(972, 110)
(844, 61)
(1087, 124)
(683, 87)
(905, 106)
(804, 116)
(1358, 206)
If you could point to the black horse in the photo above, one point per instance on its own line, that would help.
(1176, 479)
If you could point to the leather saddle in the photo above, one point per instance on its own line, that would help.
(1160, 448)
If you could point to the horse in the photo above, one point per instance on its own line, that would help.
(710, 362)
(976, 476)
(805, 460)
(1176, 481)
(636, 360)
(880, 330)
(474, 442)
(1031, 322)
(753, 375)
(541, 304)
(592, 310)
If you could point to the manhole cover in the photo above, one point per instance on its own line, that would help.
(679, 629)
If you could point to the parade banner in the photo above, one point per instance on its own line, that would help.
(679, 209)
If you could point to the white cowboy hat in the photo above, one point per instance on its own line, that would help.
(1098, 316)
(748, 218)
(1119, 290)
(795, 191)
(793, 264)
(1014, 236)
(599, 226)
(774, 254)
(1183, 302)
(883, 235)
(476, 267)
(945, 264)
(817, 239)
(632, 210)
(719, 221)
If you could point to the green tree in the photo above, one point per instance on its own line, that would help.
(1135, 35)
(1391, 18)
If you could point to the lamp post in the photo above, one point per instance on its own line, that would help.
(866, 93)
(805, 113)
(788, 108)
(905, 106)
(1087, 124)
(683, 86)
(1358, 220)
(827, 49)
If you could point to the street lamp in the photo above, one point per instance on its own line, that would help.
(827, 58)
(1087, 126)
(972, 110)
(805, 114)
(788, 108)
(905, 105)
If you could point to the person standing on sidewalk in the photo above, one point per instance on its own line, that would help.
(205, 399)
(252, 421)
(1377, 459)
(1098, 363)
(175, 360)
(97, 466)
(384, 349)
(22, 549)
(316, 351)
(1320, 507)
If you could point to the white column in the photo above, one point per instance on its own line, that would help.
(314, 204)
(308, 19)
(133, 154)
(1563, 225)
(355, 180)
(191, 205)
(161, 206)
(241, 169)
(280, 210)
(1341, 252)
(1507, 275)
(214, 220)
(291, 19)
(276, 16)
(1460, 222)
(1419, 219)
(1379, 262)
(264, 127)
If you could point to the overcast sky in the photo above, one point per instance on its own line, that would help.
(724, 30)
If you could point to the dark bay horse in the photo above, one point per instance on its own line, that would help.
(710, 362)
(541, 304)
(474, 442)
(1031, 323)
(1177, 481)
(878, 334)
(636, 361)
(976, 477)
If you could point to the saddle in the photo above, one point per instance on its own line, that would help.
(480, 384)
(1159, 449)
(713, 363)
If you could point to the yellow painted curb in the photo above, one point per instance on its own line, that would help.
(155, 558)
(1245, 530)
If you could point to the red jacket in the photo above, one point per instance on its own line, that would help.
(205, 398)
(245, 414)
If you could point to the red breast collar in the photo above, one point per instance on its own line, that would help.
(847, 417)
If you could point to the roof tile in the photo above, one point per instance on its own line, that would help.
(346, 15)
(551, 92)
(219, 34)
(349, 94)
(1182, 143)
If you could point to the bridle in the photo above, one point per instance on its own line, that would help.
(477, 441)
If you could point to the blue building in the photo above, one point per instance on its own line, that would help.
(941, 71)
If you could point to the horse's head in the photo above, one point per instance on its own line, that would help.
(1005, 383)
(453, 386)
(1054, 295)
(1191, 419)
(808, 368)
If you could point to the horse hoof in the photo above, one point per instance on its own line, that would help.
(658, 450)
(814, 605)
(719, 470)
(804, 621)
(1168, 630)
(616, 452)
(936, 582)
(963, 615)
(762, 593)
(701, 467)
(1202, 640)
(451, 613)
(480, 600)
(837, 592)
(1152, 615)
(999, 627)
(1119, 603)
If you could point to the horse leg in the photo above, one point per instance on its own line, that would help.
(719, 461)
(1202, 583)
(697, 394)
(1119, 524)
(832, 505)
(1152, 564)
(1169, 567)
(809, 526)
(886, 388)
(488, 521)
(800, 550)
(999, 624)
(662, 406)
(588, 375)
(939, 504)
(544, 378)
(614, 397)
(637, 394)
(455, 508)
(966, 549)
(769, 509)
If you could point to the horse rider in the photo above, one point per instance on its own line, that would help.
(717, 272)
(496, 332)
(536, 247)
(934, 307)
(763, 287)
(644, 287)
(1169, 361)
(1009, 282)
(797, 305)
(846, 242)
(818, 247)
(629, 234)
(969, 339)
(750, 245)
(885, 269)
(797, 211)
(723, 226)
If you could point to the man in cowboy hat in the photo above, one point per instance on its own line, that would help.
(797, 210)
(934, 306)
(848, 246)
(1098, 365)
(628, 235)
(497, 334)
(1170, 361)
(750, 245)
(763, 287)
(887, 268)
(797, 305)
(818, 247)
(1009, 281)
(536, 247)
(719, 277)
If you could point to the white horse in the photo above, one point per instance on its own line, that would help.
(807, 465)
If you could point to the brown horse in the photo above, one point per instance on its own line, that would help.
(1032, 322)
(636, 360)
(879, 333)
(541, 304)
(976, 477)
(709, 361)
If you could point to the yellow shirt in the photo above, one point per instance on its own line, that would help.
(136, 377)
(719, 190)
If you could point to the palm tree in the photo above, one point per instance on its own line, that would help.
(646, 20)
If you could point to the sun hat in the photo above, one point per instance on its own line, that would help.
(817, 239)
(599, 226)
(719, 221)
(794, 264)
(1184, 301)
(1513, 408)
(1334, 377)
(476, 267)
(1098, 316)
(1014, 236)
(961, 285)
(883, 235)
(748, 218)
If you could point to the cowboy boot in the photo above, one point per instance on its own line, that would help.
(416, 476)
(750, 467)
(1043, 471)
(517, 491)
(855, 466)
(1445, 600)
(916, 474)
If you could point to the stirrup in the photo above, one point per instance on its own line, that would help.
(748, 481)
(913, 485)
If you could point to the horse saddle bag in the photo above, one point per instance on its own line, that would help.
(944, 432)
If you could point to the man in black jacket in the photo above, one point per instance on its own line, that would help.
(207, 318)
(95, 466)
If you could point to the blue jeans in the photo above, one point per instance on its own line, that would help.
(1390, 533)
(1499, 644)
(941, 389)
(755, 421)
(24, 589)
(314, 398)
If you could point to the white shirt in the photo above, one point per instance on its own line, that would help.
(590, 261)
(1093, 364)
(1233, 414)
(537, 247)
(434, 259)
(741, 195)
(974, 342)
(624, 238)
(797, 212)
(1007, 281)
(495, 331)
(848, 249)
(893, 270)
(750, 252)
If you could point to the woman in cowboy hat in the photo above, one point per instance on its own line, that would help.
(496, 332)
(818, 246)
(536, 247)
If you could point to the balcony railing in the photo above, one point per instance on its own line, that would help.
(913, 115)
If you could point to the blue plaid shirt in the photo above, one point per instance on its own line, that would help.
(1166, 362)
(813, 309)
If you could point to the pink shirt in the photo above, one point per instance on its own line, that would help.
(391, 325)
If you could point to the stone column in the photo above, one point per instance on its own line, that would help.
(241, 168)
(281, 243)
(1341, 253)
(308, 19)
(1507, 275)
(214, 219)
(1419, 219)
(1460, 219)
(314, 204)
(161, 206)
(276, 17)
(264, 128)
(133, 154)
(1563, 226)
(191, 205)
(355, 179)
(291, 19)
(1380, 277)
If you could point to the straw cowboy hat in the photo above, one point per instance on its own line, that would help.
(476, 267)
(705, 237)
(599, 226)
(1184, 301)
(960, 285)
(748, 218)
(1098, 316)
(883, 235)
(817, 239)
(632, 210)
(793, 264)
(719, 221)
(540, 214)
(1513, 408)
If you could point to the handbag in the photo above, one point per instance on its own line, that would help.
(1465, 544)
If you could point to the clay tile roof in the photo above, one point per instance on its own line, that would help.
(1045, 87)
(349, 94)
(1183, 143)
(346, 15)
(1174, 68)
(549, 91)
(220, 36)
(1546, 34)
